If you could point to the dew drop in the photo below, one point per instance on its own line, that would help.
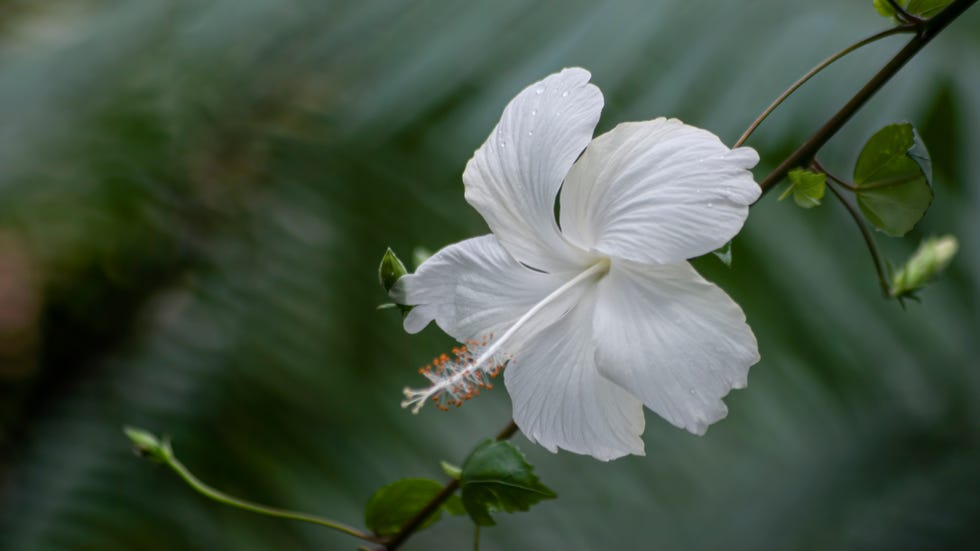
(503, 144)
(564, 94)
(539, 91)
(534, 112)
(530, 132)
(692, 391)
(711, 205)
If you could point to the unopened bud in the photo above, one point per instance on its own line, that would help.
(146, 444)
(932, 257)
(390, 270)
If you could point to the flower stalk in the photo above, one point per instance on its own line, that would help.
(147, 445)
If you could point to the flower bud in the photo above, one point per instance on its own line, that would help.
(390, 270)
(932, 257)
(145, 444)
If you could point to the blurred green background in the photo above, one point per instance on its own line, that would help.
(194, 196)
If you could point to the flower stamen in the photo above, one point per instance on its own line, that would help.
(455, 380)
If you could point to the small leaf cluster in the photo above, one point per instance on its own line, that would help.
(496, 477)
(892, 185)
(807, 187)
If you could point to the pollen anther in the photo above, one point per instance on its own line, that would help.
(458, 378)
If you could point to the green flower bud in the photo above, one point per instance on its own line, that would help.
(146, 444)
(932, 257)
(390, 270)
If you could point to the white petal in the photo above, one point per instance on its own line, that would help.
(513, 178)
(657, 192)
(561, 401)
(471, 289)
(676, 341)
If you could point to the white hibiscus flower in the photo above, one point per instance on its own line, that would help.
(601, 313)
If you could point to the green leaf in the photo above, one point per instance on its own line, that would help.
(724, 254)
(395, 504)
(806, 186)
(926, 8)
(454, 506)
(884, 8)
(893, 179)
(497, 477)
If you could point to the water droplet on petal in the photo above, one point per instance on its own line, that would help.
(530, 132)
(692, 391)
(539, 91)
(503, 144)
(564, 94)
(534, 112)
(710, 205)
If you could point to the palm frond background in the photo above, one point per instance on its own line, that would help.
(194, 196)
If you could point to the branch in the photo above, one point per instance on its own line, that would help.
(447, 491)
(927, 30)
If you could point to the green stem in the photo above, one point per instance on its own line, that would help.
(869, 239)
(819, 167)
(221, 497)
(925, 32)
(813, 72)
(903, 14)
(476, 537)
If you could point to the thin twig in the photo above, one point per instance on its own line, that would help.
(819, 167)
(222, 497)
(925, 33)
(869, 239)
(814, 71)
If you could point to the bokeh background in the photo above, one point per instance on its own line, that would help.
(194, 196)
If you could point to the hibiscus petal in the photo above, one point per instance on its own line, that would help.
(513, 178)
(561, 401)
(473, 288)
(657, 192)
(676, 341)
